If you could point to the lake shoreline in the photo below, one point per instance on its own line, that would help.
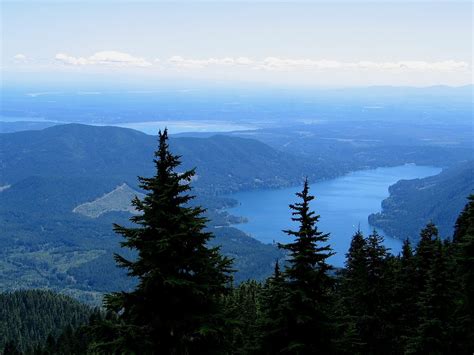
(267, 209)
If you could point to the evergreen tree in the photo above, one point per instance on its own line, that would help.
(10, 349)
(433, 335)
(404, 301)
(242, 308)
(50, 347)
(308, 283)
(425, 251)
(175, 308)
(373, 322)
(352, 296)
(463, 244)
(273, 323)
(27, 317)
(355, 274)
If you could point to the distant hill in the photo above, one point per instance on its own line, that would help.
(224, 163)
(413, 203)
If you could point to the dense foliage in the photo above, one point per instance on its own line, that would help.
(27, 318)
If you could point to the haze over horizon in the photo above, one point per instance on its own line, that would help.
(298, 44)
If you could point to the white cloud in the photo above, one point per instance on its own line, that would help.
(273, 63)
(66, 59)
(111, 58)
(288, 64)
(244, 61)
(181, 62)
(302, 65)
(20, 58)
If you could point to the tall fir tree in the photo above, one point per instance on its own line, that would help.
(373, 328)
(175, 309)
(404, 302)
(242, 307)
(425, 251)
(352, 293)
(433, 332)
(273, 323)
(310, 327)
(10, 348)
(463, 245)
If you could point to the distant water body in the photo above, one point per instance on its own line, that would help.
(343, 203)
(175, 127)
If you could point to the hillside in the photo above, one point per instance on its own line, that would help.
(224, 163)
(64, 187)
(27, 318)
(118, 199)
(413, 203)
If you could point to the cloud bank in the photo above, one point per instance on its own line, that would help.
(181, 62)
(285, 64)
(120, 59)
(110, 58)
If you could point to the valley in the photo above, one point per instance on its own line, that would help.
(236, 178)
(69, 183)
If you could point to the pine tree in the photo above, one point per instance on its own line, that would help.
(50, 346)
(309, 285)
(273, 323)
(433, 335)
(175, 307)
(242, 308)
(10, 349)
(463, 244)
(404, 308)
(425, 251)
(352, 296)
(373, 321)
(355, 273)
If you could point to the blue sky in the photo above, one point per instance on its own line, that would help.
(309, 43)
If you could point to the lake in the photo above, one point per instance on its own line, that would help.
(344, 204)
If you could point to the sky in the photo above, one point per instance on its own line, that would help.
(313, 43)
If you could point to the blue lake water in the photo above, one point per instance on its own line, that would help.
(343, 203)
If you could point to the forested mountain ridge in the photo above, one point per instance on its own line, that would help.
(47, 174)
(413, 203)
(225, 163)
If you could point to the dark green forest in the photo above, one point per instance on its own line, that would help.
(185, 301)
(29, 317)
(436, 198)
